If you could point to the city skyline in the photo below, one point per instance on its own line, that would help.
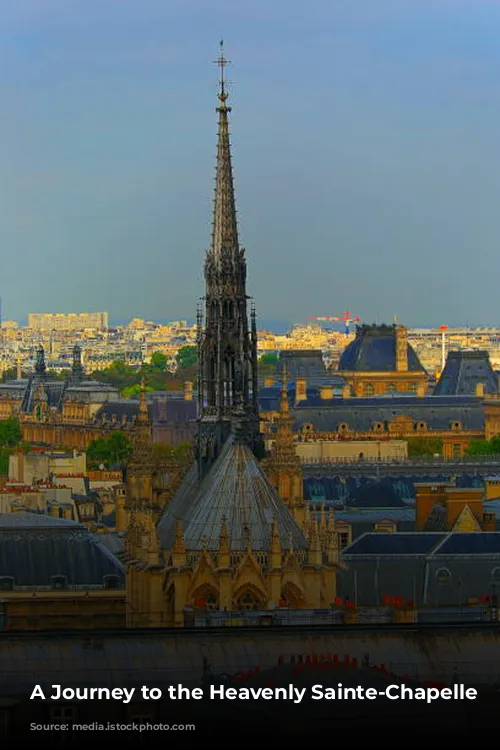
(347, 113)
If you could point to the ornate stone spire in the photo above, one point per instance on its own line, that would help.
(179, 548)
(142, 438)
(40, 367)
(77, 367)
(227, 359)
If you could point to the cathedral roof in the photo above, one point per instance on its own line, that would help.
(463, 371)
(374, 350)
(237, 490)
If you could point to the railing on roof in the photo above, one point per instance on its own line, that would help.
(414, 460)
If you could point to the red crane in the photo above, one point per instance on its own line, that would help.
(346, 318)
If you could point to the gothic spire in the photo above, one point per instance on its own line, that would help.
(77, 366)
(224, 228)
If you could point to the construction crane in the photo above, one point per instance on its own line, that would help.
(347, 318)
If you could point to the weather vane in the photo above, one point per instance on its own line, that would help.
(222, 62)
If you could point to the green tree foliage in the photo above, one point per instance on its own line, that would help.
(10, 438)
(10, 433)
(484, 447)
(110, 451)
(118, 374)
(132, 391)
(162, 451)
(186, 357)
(424, 446)
(127, 379)
(270, 358)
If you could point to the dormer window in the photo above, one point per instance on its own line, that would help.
(420, 426)
(111, 582)
(308, 428)
(456, 425)
(378, 427)
(343, 427)
(59, 582)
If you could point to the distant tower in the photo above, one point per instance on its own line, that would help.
(77, 366)
(227, 346)
(40, 368)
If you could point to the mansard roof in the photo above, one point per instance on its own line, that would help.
(463, 371)
(374, 350)
(34, 548)
(360, 414)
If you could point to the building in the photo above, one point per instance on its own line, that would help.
(421, 569)
(467, 373)
(380, 360)
(68, 321)
(55, 575)
(227, 540)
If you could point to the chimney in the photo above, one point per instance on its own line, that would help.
(269, 382)
(301, 389)
(188, 390)
(480, 390)
(326, 392)
(401, 349)
(346, 391)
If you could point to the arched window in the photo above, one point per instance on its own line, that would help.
(343, 427)
(111, 582)
(59, 582)
(495, 575)
(456, 426)
(443, 575)
(248, 601)
(378, 427)
(420, 426)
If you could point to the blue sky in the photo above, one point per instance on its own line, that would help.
(365, 145)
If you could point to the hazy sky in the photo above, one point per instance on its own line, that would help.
(365, 141)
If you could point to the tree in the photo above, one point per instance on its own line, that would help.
(131, 391)
(159, 361)
(483, 447)
(10, 433)
(186, 357)
(424, 446)
(270, 358)
(110, 451)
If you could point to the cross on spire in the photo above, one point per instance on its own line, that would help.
(222, 62)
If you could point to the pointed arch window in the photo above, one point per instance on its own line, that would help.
(248, 601)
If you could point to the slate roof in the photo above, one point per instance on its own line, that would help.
(35, 547)
(236, 489)
(303, 363)
(374, 349)
(470, 543)
(373, 516)
(463, 371)
(437, 520)
(399, 543)
(438, 412)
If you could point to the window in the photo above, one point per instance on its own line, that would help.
(308, 427)
(495, 575)
(378, 427)
(6, 583)
(59, 582)
(344, 539)
(343, 427)
(111, 582)
(63, 723)
(140, 729)
(456, 426)
(457, 451)
(413, 387)
(369, 389)
(391, 388)
(248, 602)
(420, 426)
(443, 575)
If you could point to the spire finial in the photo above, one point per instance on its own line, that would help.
(222, 62)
